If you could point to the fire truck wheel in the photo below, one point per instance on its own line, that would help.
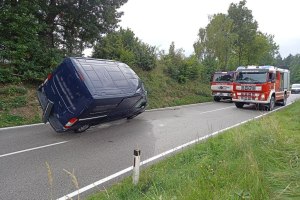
(283, 103)
(217, 99)
(239, 104)
(271, 105)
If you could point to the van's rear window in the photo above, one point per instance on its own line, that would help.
(69, 87)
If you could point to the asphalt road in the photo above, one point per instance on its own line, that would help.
(102, 150)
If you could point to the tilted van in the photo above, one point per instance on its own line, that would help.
(82, 92)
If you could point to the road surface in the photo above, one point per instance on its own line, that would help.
(102, 150)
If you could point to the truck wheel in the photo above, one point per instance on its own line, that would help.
(283, 103)
(271, 105)
(82, 128)
(217, 99)
(239, 104)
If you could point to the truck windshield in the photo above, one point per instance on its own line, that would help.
(222, 77)
(251, 77)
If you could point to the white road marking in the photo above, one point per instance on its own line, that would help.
(95, 184)
(31, 149)
(23, 126)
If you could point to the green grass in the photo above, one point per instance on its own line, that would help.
(163, 91)
(18, 105)
(259, 160)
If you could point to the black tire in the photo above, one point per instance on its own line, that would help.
(239, 104)
(133, 116)
(261, 106)
(283, 102)
(271, 105)
(82, 128)
(217, 99)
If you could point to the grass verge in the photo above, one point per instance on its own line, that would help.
(18, 105)
(259, 160)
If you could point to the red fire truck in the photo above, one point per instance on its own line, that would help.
(221, 85)
(263, 86)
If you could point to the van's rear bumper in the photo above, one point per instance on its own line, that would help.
(48, 114)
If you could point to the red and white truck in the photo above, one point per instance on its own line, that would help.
(221, 85)
(264, 86)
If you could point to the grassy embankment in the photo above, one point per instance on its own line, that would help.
(259, 160)
(19, 105)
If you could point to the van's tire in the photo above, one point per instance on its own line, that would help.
(217, 99)
(133, 116)
(271, 105)
(82, 128)
(239, 104)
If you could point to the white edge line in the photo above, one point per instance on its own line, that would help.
(177, 107)
(22, 126)
(31, 149)
(95, 184)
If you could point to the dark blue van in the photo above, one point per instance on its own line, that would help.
(82, 92)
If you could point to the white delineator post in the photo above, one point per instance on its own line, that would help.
(136, 166)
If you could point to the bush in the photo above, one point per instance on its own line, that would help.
(7, 75)
(124, 46)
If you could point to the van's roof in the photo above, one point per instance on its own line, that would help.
(106, 78)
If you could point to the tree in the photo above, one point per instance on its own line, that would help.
(263, 50)
(294, 67)
(37, 34)
(220, 39)
(245, 28)
(178, 66)
(123, 46)
(200, 45)
(19, 28)
(74, 25)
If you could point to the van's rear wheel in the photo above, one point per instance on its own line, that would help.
(82, 128)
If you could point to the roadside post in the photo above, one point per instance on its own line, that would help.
(136, 166)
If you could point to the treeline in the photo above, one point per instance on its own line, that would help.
(36, 35)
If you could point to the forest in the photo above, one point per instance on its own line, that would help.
(36, 35)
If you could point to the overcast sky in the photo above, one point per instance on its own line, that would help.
(159, 22)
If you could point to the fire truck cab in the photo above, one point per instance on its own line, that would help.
(264, 86)
(221, 85)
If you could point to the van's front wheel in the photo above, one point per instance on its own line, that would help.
(82, 128)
